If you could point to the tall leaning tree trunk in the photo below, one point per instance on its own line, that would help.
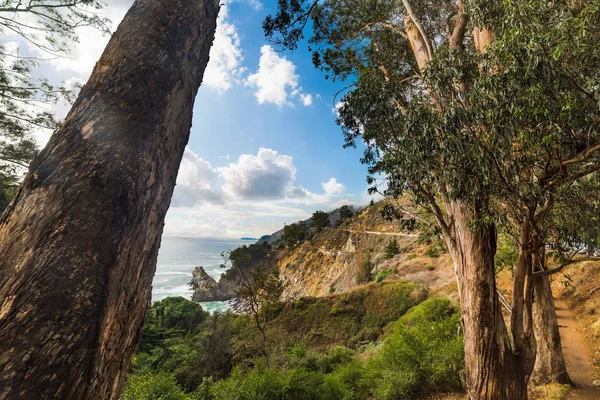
(78, 244)
(550, 361)
(493, 372)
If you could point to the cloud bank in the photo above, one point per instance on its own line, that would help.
(255, 194)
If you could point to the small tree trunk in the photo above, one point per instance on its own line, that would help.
(550, 362)
(493, 372)
(78, 245)
(521, 317)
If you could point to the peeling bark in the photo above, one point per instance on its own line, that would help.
(482, 37)
(550, 361)
(493, 372)
(78, 245)
(418, 44)
(521, 322)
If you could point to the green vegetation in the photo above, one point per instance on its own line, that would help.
(391, 249)
(381, 275)
(345, 213)
(432, 252)
(422, 353)
(319, 220)
(244, 258)
(26, 99)
(149, 386)
(295, 234)
(507, 251)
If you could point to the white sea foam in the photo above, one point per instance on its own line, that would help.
(177, 259)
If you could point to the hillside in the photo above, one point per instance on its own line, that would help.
(341, 257)
(385, 341)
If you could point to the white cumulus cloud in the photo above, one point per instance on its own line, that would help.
(276, 77)
(254, 195)
(333, 187)
(307, 99)
(276, 80)
(268, 175)
(225, 65)
(196, 182)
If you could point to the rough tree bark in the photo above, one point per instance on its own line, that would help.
(550, 361)
(493, 372)
(521, 321)
(78, 245)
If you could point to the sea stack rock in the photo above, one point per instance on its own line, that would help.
(205, 287)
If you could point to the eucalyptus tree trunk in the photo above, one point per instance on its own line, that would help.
(78, 244)
(550, 361)
(493, 371)
(521, 321)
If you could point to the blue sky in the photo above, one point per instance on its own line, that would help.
(264, 148)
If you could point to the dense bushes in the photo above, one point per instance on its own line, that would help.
(422, 353)
(184, 342)
(153, 387)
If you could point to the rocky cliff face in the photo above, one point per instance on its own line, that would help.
(207, 288)
(337, 259)
(352, 254)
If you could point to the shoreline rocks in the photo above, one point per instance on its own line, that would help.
(206, 288)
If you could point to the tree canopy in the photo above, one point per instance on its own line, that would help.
(480, 112)
(319, 220)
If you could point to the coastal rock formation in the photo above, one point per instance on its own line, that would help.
(206, 288)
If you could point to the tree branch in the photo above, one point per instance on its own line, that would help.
(565, 264)
(413, 16)
(587, 154)
(456, 40)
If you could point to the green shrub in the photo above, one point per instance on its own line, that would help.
(412, 256)
(423, 353)
(299, 304)
(391, 249)
(346, 383)
(175, 313)
(430, 267)
(507, 251)
(153, 387)
(264, 384)
(383, 274)
(364, 337)
(432, 252)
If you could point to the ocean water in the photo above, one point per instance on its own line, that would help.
(178, 257)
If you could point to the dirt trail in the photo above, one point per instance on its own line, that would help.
(576, 355)
(383, 233)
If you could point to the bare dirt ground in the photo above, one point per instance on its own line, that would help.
(577, 355)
